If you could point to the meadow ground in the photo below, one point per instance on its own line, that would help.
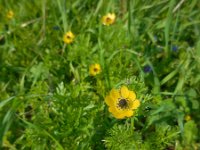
(99, 74)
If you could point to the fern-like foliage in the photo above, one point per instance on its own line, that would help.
(121, 137)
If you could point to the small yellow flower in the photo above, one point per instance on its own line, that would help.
(10, 14)
(108, 19)
(188, 118)
(68, 37)
(122, 103)
(94, 69)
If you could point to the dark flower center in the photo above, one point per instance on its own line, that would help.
(123, 103)
(108, 19)
(95, 69)
(68, 37)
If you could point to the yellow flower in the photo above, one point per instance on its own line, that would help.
(188, 118)
(68, 37)
(94, 69)
(108, 19)
(10, 14)
(122, 103)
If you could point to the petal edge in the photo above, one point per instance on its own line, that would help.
(136, 104)
(124, 92)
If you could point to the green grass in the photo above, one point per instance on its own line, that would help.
(48, 100)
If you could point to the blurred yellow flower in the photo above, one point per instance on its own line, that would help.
(68, 37)
(122, 103)
(94, 69)
(10, 14)
(108, 19)
(188, 118)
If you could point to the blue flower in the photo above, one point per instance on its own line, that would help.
(147, 69)
(56, 28)
(175, 48)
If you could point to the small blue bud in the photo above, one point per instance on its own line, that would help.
(147, 69)
(174, 48)
(56, 28)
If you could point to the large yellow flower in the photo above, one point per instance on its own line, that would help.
(122, 103)
(94, 69)
(68, 37)
(108, 19)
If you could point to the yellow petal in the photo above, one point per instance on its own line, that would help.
(129, 113)
(135, 104)
(114, 109)
(112, 16)
(104, 20)
(109, 100)
(124, 92)
(132, 95)
(118, 115)
(97, 67)
(115, 113)
(114, 94)
(111, 109)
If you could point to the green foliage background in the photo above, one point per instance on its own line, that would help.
(48, 100)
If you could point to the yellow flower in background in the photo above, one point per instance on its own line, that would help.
(68, 37)
(94, 69)
(108, 19)
(122, 103)
(10, 14)
(188, 118)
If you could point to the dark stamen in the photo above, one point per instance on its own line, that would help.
(123, 103)
(108, 19)
(68, 37)
(95, 69)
